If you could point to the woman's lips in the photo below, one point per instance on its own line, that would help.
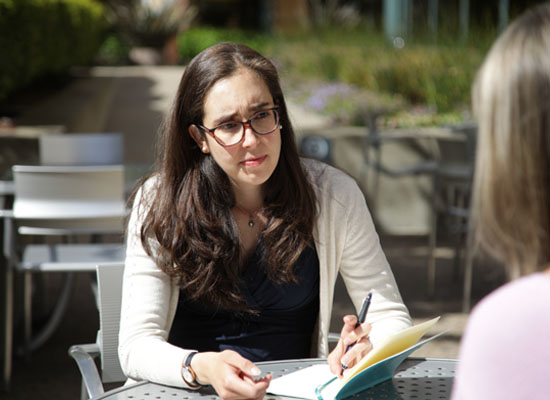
(251, 162)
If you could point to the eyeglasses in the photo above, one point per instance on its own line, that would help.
(232, 132)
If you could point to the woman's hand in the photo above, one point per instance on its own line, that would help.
(350, 335)
(231, 375)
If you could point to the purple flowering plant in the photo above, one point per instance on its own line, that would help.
(344, 103)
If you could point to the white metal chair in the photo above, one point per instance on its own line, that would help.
(81, 149)
(60, 204)
(450, 170)
(451, 200)
(109, 278)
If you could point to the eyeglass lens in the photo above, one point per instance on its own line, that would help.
(262, 123)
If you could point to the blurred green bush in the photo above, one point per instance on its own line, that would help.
(435, 74)
(195, 40)
(42, 37)
(114, 50)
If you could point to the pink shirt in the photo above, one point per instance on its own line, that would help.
(505, 350)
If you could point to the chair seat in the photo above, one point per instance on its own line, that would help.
(70, 257)
(456, 170)
(421, 168)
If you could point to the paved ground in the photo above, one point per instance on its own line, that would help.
(133, 101)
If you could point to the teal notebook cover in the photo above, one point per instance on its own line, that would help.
(317, 382)
(376, 373)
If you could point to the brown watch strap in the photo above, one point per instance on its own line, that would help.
(187, 367)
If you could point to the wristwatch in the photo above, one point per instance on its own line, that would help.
(189, 376)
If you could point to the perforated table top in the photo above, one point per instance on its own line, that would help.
(416, 378)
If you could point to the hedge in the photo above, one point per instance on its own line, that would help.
(193, 41)
(42, 37)
(421, 73)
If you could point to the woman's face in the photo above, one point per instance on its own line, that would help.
(238, 98)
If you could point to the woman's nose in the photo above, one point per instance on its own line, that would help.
(250, 137)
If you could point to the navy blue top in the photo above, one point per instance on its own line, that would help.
(282, 329)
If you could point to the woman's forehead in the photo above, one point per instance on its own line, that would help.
(242, 91)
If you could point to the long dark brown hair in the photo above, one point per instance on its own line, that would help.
(189, 207)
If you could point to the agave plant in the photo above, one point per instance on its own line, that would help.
(151, 22)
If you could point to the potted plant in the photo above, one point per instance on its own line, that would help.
(150, 26)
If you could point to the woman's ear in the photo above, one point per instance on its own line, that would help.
(199, 138)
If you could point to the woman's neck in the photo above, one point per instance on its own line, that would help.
(250, 199)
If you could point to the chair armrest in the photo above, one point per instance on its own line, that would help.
(6, 213)
(6, 225)
(333, 337)
(421, 168)
(84, 355)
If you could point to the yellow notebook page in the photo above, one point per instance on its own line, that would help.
(391, 346)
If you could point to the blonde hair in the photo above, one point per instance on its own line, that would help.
(511, 100)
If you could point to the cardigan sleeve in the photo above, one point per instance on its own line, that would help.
(353, 246)
(364, 268)
(148, 299)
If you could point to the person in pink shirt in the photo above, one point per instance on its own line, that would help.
(504, 352)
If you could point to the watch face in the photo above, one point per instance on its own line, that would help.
(187, 375)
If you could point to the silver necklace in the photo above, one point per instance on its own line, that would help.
(251, 215)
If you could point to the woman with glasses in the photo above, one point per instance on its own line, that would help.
(235, 243)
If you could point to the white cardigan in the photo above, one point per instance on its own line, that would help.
(346, 243)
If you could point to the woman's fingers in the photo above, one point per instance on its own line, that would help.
(349, 325)
(335, 356)
(356, 334)
(333, 359)
(241, 386)
(350, 335)
(231, 375)
(236, 360)
(261, 384)
(358, 351)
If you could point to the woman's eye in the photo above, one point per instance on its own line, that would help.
(228, 126)
(261, 115)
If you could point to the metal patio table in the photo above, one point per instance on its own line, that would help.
(416, 378)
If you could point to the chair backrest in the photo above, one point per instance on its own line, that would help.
(81, 149)
(317, 147)
(109, 278)
(71, 197)
(459, 147)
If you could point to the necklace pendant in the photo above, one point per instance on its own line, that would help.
(251, 223)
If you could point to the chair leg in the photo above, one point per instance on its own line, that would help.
(460, 227)
(57, 314)
(468, 276)
(27, 312)
(432, 241)
(431, 256)
(376, 172)
(8, 328)
(6, 267)
(83, 391)
(458, 254)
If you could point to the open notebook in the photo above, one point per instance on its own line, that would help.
(318, 383)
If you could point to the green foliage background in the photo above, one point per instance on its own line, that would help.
(41, 37)
(422, 72)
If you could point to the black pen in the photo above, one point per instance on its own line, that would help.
(362, 317)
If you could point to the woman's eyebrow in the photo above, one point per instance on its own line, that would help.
(229, 117)
(260, 106)
(233, 116)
